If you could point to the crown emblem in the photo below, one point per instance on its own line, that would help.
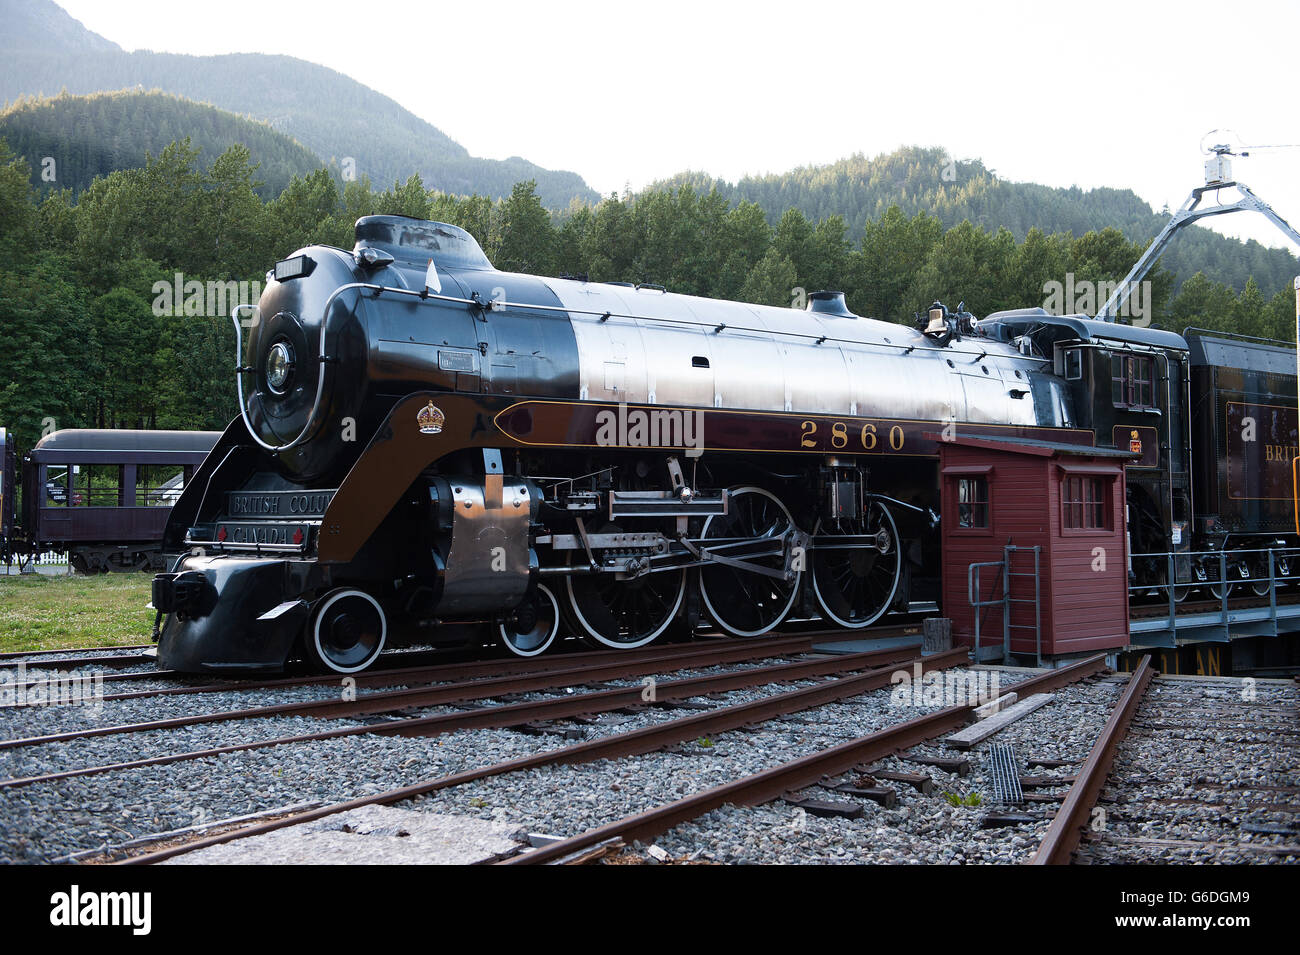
(431, 419)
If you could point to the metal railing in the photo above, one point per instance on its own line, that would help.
(1006, 576)
(1262, 570)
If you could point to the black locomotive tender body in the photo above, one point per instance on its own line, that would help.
(430, 449)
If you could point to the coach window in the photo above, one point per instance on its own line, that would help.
(1132, 382)
(159, 485)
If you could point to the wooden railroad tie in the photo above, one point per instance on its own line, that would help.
(878, 794)
(957, 765)
(977, 733)
(827, 808)
(918, 781)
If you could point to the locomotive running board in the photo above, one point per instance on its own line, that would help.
(665, 504)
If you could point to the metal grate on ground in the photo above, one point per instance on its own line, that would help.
(1000, 763)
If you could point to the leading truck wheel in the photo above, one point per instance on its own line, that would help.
(346, 632)
(532, 628)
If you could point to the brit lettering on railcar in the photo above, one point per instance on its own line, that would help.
(1260, 470)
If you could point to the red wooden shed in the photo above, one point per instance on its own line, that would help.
(1034, 532)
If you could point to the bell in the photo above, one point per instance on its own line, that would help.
(938, 324)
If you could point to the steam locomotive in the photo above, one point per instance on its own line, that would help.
(429, 450)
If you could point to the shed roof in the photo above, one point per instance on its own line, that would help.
(1034, 446)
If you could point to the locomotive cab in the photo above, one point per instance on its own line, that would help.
(1129, 386)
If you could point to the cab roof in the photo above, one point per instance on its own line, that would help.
(1005, 326)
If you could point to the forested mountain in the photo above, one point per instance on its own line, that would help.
(44, 51)
(88, 136)
(91, 280)
(925, 180)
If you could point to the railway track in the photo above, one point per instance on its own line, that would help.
(1075, 814)
(599, 694)
(642, 740)
(833, 678)
(468, 659)
(1174, 736)
(111, 660)
(393, 674)
(1209, 772)
(19, 654)
(551, 708)
(428, 691)
(786, 777)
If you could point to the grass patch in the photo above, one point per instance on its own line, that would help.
(41, 612)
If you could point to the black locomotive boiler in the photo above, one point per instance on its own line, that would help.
(429, 450)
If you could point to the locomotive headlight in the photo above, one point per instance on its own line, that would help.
(279, 366)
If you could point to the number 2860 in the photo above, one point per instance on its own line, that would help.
(866, 438)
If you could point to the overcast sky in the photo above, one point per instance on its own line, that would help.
(1089, 94)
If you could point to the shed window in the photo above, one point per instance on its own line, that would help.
(1132, 382)
(1086, 503)
(972, 502)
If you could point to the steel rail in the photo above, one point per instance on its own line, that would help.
(793, 775)
(616, 746)
(387, 663)
(15, 654)
(387, 701)
(515, 714)
(1067, 828)
(73, 663)
(102, 676)
(441, 672)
